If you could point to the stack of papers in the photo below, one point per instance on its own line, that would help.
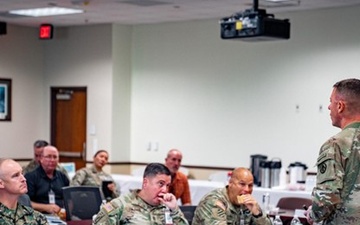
(55, 220)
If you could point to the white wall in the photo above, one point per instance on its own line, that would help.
(82, 56)
(21, 59)
(219, 101)
(121, 85)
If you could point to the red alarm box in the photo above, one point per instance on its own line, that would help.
(46, 31)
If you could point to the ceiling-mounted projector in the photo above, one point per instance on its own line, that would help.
(254, 25)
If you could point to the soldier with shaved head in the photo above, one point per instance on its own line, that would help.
(13, 185)
(232, 204)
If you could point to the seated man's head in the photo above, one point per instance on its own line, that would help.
(173, 160)
(38, 149)
(241, 183)
(12, 181)
(156, 181)
(49, 159)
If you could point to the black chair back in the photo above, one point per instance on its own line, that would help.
(293, 203)
(188, 211)
(81, 202)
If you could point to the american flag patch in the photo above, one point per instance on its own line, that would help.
(108, 207)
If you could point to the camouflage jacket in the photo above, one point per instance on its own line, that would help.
(33, 164)
(336, 196)
(24, 216)
(215, 208)
(131, 209)
(91, 177)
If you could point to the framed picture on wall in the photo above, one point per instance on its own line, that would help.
(5, 99)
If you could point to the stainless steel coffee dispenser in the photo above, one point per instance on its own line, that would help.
(265, 174)
(270, 173)
(275, 167)
(297, 172)
(255, 167)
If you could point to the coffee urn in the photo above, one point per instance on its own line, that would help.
(255, 167)
(297, 172)
(265, 174)
(275, 167)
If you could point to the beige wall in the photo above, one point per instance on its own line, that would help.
(179, 85)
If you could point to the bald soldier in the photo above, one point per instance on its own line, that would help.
(12, 185)
(232, 204)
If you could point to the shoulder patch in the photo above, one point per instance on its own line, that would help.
(220, 204)
(322, 167)
(108, 207)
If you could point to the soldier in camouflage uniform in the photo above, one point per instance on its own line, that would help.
(12, 185)
(94, 176)
(152, 205)
(38, 149)
(336, 196)
(221, 206)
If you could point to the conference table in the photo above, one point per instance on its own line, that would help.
(199, 188)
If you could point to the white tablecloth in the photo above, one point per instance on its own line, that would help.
(198, 188)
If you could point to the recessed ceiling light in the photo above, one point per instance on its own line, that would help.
(48, 11)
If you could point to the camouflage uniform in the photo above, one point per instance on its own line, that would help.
(216, 208)
(131, 209)
(336, 196)
(24, 216)
(33, 164)
(91, 177)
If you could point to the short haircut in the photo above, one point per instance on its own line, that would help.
(154, 169)
(100, 151)
(40, 143)
(348, 90)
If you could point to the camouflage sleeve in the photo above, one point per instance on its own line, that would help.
(78, 178)
(109, 214)
(329, 182)
(178, 217)
(262, 220)
(211, 212)
(40, 218)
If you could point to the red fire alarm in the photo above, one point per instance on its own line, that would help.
(46, 31)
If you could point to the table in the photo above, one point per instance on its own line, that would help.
(198, 188)
(276, 194)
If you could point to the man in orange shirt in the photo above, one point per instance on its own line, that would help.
(179, 183)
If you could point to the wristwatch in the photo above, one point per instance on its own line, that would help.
(258, 215)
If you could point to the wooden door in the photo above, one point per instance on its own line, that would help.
(68, 123)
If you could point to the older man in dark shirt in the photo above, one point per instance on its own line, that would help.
(45, 183)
